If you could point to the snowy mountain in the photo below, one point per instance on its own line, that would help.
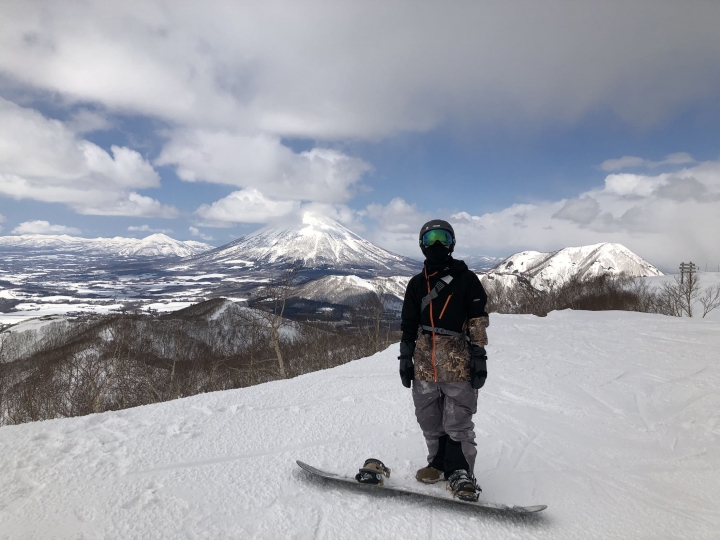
(479, 263)
(557, 267)
(317, 242)
(619, 442)
(156, 245)
(42, 275)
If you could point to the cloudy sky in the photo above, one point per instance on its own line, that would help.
(528, 125)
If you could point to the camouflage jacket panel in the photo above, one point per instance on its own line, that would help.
(452, 355)
(477, 330)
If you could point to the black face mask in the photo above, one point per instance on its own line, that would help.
(437, 253)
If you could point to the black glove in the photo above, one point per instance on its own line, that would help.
(478, 366)
(407, 369)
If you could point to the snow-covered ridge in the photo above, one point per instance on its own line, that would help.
(316, 242)
(583, 262)
(155, 245)
(348, 289)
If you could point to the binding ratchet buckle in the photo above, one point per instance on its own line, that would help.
(372, 472)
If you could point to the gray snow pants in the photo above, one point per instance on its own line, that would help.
(444, 411)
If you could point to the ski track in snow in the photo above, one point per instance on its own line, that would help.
(611, 419)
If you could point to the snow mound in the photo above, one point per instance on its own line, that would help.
(609, 418)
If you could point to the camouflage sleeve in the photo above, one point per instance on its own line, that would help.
(477, 329)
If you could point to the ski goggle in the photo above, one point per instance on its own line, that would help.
(437, 235)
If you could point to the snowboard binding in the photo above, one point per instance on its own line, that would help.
(463, 486)
(372, 472)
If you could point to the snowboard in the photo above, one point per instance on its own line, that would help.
(439, 496)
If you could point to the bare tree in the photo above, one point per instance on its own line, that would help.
(677, 297)
(3, 339)
(272, 305)
(710, 299)
(689, 291)
(3, 375)
(368, 312)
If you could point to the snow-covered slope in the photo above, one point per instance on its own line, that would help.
(316, 242)
(347, 289)
(543, 269)
(590, 413)
(155, 245)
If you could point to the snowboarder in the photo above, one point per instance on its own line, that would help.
(444, 331)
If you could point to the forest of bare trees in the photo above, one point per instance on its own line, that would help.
(101, 363)
(674, 298)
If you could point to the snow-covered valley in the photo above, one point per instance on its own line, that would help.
(610, 418)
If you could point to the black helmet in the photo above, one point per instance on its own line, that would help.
(436, 224)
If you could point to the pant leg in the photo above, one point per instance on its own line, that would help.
(429, 404)
(459, 405)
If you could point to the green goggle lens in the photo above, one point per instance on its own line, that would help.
(437, 235)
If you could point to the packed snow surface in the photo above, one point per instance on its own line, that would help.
(609, 418)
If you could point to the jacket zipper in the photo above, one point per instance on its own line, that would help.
(432, 323)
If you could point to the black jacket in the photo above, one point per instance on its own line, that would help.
(459, 308)
(457, 303)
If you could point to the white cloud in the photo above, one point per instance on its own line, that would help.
(308, 69)
(147, 228)
(664, 218)
(43, 227)
(42, 159)
(339, 212)
(87, 121)
(244, 206)
(581, 211)
(683, 189)
(626, 162)
(262, 162)
(398, 216)
(398, 225)
(194, 231)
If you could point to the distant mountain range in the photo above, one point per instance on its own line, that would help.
(155, 245)
(480, 263)
(42, 274)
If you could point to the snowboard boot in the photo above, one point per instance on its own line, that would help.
(429, 475)
(463, 486)
(372, 472)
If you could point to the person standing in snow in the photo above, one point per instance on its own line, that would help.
(444, 331)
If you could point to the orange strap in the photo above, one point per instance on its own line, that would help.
(445, 306)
